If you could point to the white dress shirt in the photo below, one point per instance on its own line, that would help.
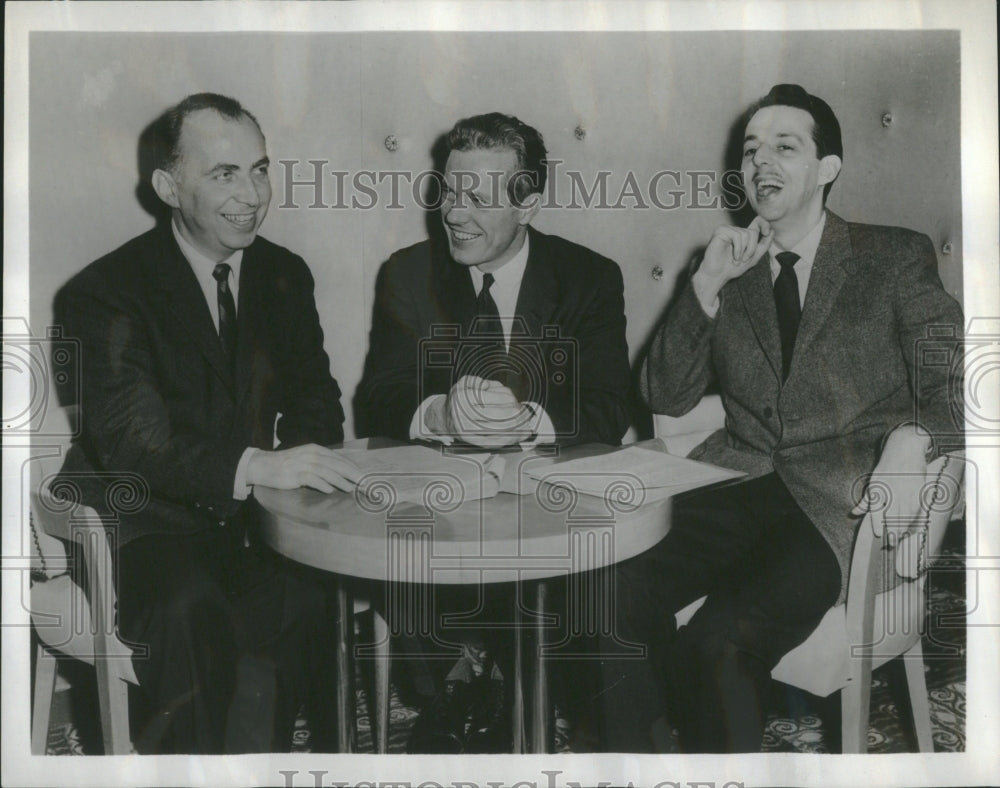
(806, 250)
(506, 287)
(505, 290)
(203, 267)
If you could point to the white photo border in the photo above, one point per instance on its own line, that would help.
(976, 21)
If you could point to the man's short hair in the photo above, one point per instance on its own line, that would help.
(165, 133)
(496, 131)
(826, 127)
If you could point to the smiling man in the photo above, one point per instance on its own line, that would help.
(809, 327)
(195, 336)
(494, 335)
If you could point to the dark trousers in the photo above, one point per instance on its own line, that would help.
(769, 577)
(439, 624)
(237, 638)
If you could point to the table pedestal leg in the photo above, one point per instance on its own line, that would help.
(345, 700)
(379, 711)
(541, 722)
(518, 710)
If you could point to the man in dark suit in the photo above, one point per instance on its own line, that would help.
(195, 337)
(499, 335)
(431, 370)
(810, 326)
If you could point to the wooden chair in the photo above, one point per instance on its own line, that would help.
(76, 622)
(79, 623)
(874, 625)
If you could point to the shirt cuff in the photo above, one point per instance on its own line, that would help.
(242, 490)
(545, 431)
(418, 424)
(712, 309)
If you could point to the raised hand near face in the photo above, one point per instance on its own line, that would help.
(731, 253)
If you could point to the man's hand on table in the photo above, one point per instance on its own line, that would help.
(483, 413)
(303, 466)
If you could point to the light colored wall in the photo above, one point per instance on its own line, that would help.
(647, 102)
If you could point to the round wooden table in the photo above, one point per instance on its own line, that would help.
(549, 530)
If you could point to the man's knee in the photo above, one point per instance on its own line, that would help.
(195, 611)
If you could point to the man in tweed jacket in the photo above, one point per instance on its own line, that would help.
(818, 371)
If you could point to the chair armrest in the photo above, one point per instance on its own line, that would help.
(942, 494)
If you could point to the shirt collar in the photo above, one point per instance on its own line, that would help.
(510, 273)
(807, 247)
(199, 262)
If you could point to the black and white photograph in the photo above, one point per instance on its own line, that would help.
(501, 394)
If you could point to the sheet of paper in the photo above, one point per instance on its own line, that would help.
(517, 479)
(420, 473)
(659, 474)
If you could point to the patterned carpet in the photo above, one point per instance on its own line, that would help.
(798, 722)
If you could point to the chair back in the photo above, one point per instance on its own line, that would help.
(72, 620)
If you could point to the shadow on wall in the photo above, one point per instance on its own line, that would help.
(740, 214)
(67, 387)
(146, 156)
(366, 423)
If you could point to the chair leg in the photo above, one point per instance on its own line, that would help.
(112, 697)
(916, 683)
(855, 706)
(41, 702)
(380, 712)
(850, 720)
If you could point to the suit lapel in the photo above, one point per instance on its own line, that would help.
(538, 297)
(186, 300)
(756, 290)
(831, 267)
(452, 288)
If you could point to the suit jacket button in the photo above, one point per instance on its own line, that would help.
(768, 413)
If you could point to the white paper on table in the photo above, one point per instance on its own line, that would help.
(654, 474)
(420, 474)
(517, 478)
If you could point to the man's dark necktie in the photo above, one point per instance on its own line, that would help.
(488, 316)
(227, 312)
(786, 299)
(490, 361)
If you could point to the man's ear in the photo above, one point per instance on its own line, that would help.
(529, 208)
(829, 169)
(166, 188)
